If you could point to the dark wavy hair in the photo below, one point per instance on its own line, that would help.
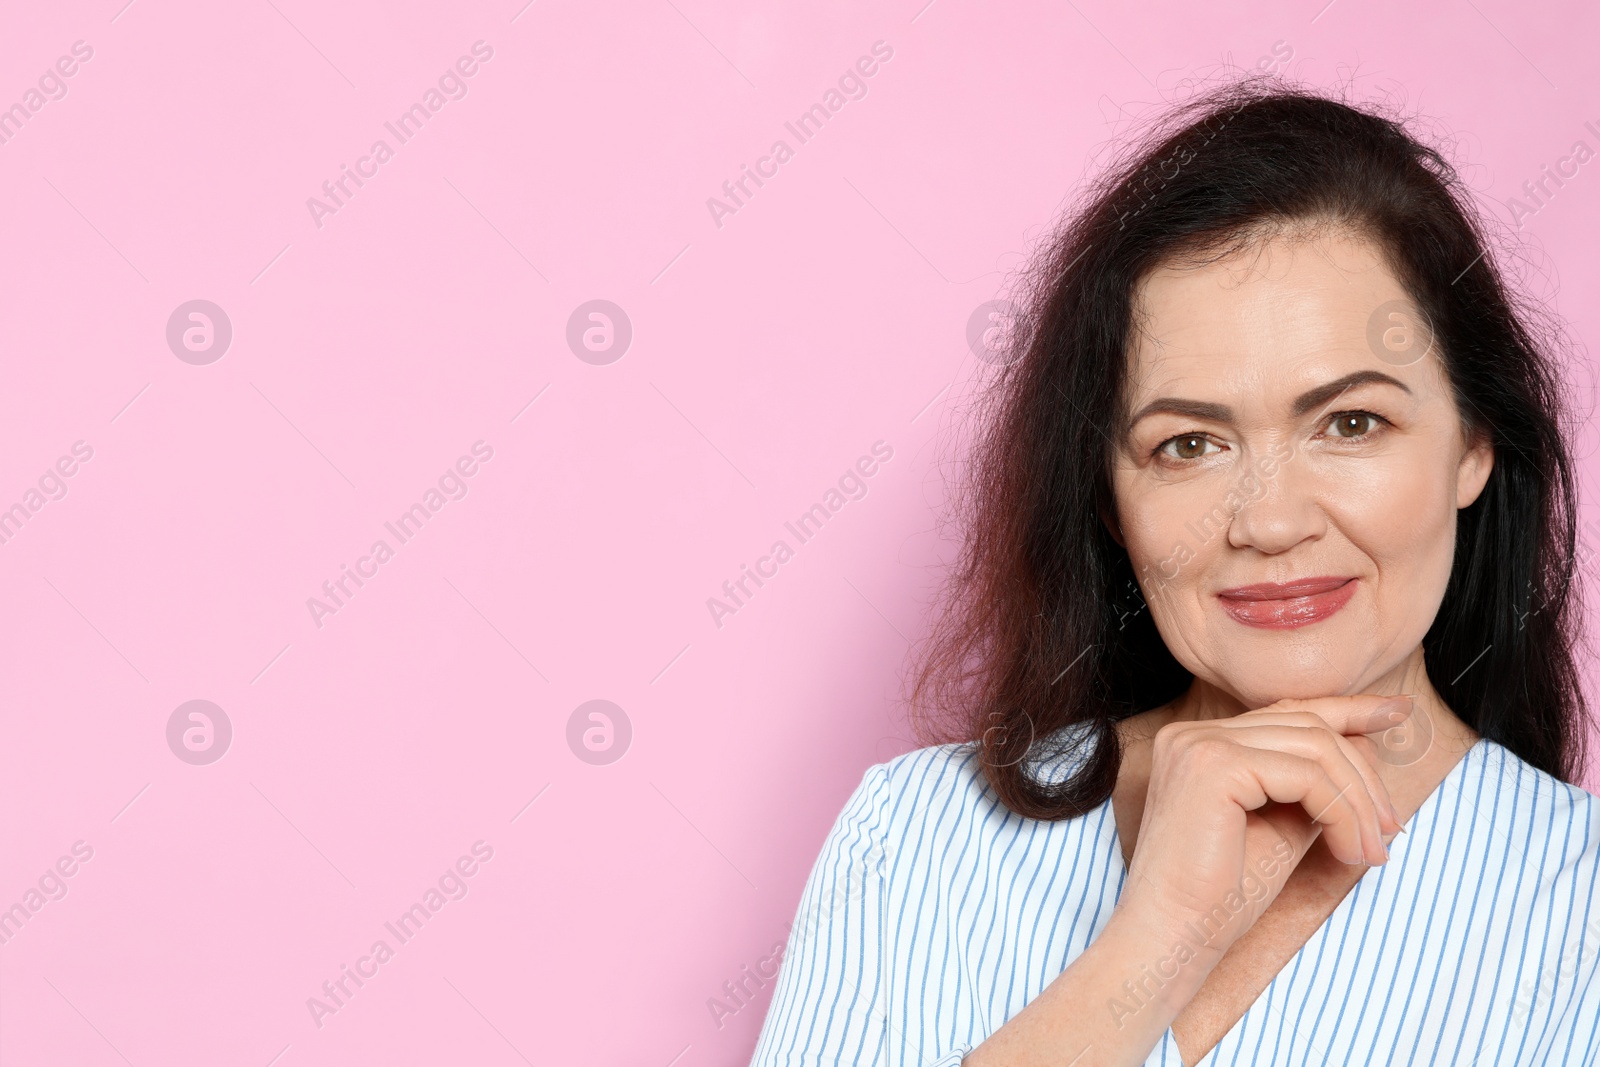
(1043, 626)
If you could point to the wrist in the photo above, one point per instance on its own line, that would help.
(1167, 957)
(1207, 931)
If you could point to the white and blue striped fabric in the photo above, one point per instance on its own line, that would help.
(934, 914)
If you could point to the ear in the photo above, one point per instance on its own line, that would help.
(1109, 517)
(1473, 473)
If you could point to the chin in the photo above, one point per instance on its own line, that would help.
(1288, 679)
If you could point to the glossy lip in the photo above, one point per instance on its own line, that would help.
(1285, 605)
(1285, 590)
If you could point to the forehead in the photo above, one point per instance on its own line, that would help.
(1277, 315)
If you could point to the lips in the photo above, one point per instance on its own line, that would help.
(1284, 605)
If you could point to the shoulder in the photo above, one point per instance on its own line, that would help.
(953, 773)
(936, 800)
(1533, 850)
(1555, 825)
(1504, 778)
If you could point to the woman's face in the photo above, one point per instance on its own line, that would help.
(1290, 423)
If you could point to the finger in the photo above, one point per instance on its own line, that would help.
(1263, 774)
(1364, 761)
(1290, 824)
(1276, 826)
(1363, 713)
(1340, 801)
(1368, 748)
(1342, 763)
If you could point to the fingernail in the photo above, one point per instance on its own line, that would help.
(1398, 708)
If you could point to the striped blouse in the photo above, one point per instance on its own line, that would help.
(934, 914)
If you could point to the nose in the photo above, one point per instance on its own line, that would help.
(1276, 511)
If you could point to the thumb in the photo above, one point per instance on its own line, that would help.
(1275, 841)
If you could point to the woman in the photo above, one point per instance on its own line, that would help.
(1260, 655)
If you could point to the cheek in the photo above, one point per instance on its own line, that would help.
(1168, 532)
(1169, 560)
(1401, 514)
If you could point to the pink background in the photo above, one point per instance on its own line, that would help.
(369, 353)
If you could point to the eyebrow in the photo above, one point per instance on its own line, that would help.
(1311, 398)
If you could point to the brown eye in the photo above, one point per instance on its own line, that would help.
(1354, 424)
(1189, 446)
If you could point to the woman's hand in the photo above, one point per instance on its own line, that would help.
(1233, 804)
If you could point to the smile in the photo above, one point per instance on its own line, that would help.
(1282, 606)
